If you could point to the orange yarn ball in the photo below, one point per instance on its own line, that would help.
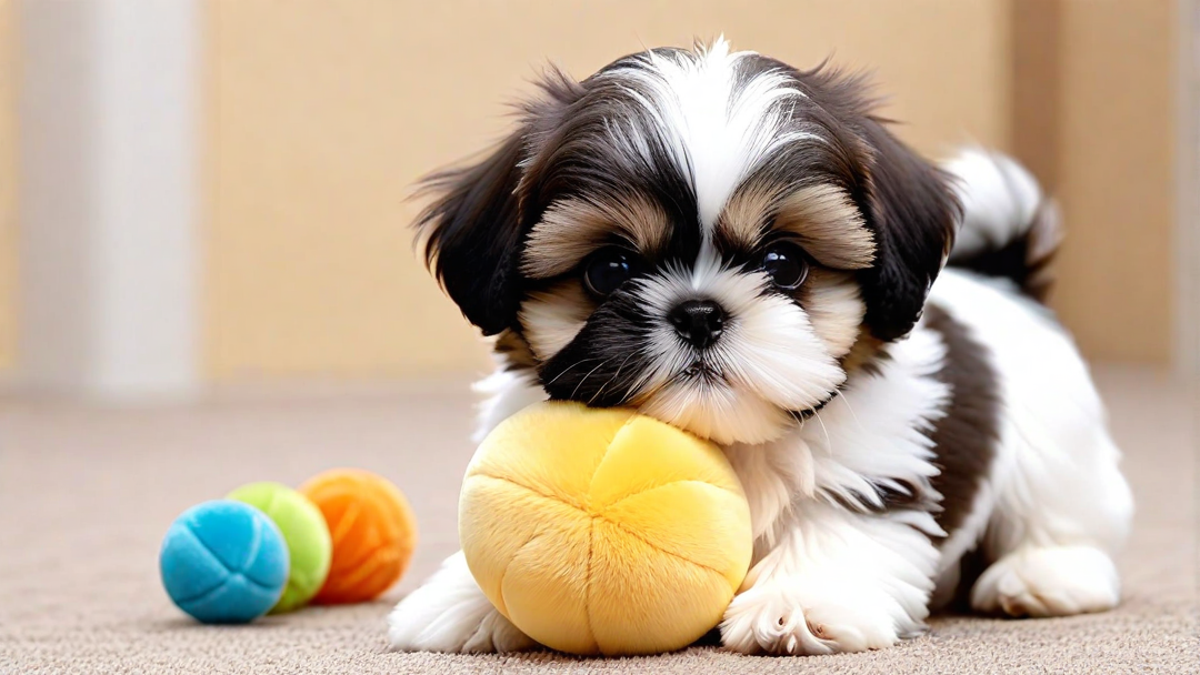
(374, 533)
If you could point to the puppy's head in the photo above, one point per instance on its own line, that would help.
(712, 237)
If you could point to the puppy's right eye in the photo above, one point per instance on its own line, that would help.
(608, 269)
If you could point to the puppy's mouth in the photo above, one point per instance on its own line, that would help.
(700, 371)
(703, 371)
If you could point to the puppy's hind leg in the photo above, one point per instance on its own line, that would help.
(1063, 510)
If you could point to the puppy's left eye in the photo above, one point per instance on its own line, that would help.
(786, 264)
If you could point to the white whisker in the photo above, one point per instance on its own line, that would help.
(828, 440)
(590, 373)
(846, 400)
(568, 368)
(611, 379)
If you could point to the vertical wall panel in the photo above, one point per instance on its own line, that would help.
(1116, 176)
(8, 168)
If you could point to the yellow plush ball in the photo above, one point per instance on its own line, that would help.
(604, 531)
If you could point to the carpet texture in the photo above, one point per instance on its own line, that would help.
(86, 494)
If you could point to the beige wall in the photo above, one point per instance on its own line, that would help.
(1114, 174)
(323, 113)
(8, 188)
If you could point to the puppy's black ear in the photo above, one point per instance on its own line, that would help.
(472, 234)
(914, 215)
(474, 229)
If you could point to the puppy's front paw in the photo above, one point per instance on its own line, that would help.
(451, 614)
(776, 619)
(770, 620)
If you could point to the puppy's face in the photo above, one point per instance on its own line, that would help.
(713, 238)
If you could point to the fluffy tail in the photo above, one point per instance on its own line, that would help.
(1009, 229)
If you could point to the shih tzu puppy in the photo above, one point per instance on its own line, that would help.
(743, 249)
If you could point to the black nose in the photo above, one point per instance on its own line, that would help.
(699, 322)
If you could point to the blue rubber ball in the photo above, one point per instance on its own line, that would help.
(224, 562)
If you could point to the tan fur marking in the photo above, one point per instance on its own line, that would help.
(865, 353)
(828, 225)
(552, 318)
(821, 217)
(571, 230)
(744, 218)
(834, 305)
(515, 349)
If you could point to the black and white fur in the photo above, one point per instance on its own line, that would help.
(884, 424)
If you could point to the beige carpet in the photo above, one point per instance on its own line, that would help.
(86, 494)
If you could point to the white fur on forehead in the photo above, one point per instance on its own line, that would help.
(718, 121)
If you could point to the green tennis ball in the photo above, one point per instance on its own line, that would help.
(305, 532)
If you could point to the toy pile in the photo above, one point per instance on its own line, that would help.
(343, 536)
